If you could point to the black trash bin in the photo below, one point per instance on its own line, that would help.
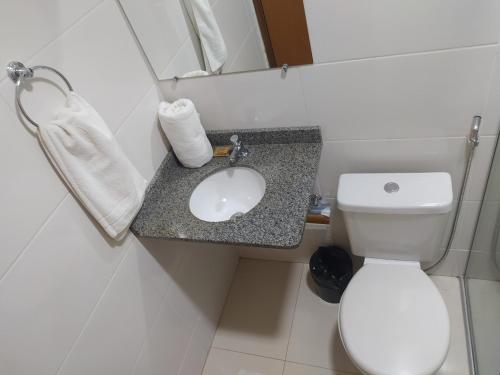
(331, 270)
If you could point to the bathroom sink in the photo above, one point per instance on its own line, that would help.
(226, 194)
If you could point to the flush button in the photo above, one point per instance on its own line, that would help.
(391, 187)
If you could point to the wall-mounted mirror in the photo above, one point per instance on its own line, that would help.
(189, 38)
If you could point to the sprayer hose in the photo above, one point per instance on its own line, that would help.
(472, 144)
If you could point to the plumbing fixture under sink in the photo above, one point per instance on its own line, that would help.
(226, 194)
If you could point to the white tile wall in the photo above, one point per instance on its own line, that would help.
(480, 168)
(183, 331)
(388, 155)
(41, 23)
(141, 138)
(71, 300)
(359, 29)
(420, 95)
(23, 183)
(103, 67)
(112, 337)
(163, 28)
(185, 60)
(234, 24)
(239, 27)
(466, 225)
(483, 266)
(244, 100)
(491, 119)
(394, 88)
(455, 264)
(250, 55)
(315, 235)
(50, 291)
(165, 343)
(487, 228)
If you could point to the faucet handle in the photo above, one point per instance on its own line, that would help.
(234, 140)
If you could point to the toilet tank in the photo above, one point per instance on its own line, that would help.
(401, 216)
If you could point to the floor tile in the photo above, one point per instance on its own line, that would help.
(259, 310)
(225, 362)
(456, 362)
(485, 312)
(315, 337)
(254, 316)
(298, 369)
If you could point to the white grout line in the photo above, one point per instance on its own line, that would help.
(249, 354)
(33, 237)
(189, 345)
(426, 138)
(304, 98)
(405, 54)
(134, 109)
(295, 308)
(336, 372)
(96, 305)
(155, 320)
(241, 48)
(315, 65)
(63, 32)
(156, 317)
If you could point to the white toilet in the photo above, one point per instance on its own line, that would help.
(392, 318)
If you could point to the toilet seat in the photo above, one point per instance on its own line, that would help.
(393, 320)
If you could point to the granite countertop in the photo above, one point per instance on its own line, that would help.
(288, 160)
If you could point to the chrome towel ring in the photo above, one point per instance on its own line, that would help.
(18, 73)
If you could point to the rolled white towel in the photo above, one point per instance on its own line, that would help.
(181, 124)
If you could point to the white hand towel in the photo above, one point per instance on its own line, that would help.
(181, 124)
(212, 42)
(195, 73)
(88, 158)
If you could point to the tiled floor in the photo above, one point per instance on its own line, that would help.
(274, 324)
(485, 311)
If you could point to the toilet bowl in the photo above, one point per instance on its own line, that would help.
(392, 318)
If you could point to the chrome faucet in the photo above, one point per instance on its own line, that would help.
(239, 151)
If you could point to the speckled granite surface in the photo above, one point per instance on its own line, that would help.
(288, 160)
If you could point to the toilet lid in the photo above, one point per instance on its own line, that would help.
(393, 320)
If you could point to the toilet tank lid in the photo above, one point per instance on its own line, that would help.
(402, 193)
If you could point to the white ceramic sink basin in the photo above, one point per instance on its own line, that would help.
(227, 193)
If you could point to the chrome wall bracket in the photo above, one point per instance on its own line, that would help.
(17, 71)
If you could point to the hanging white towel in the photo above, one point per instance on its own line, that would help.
(181, 124)
(212, 43)
(195, 73)
(88, 158)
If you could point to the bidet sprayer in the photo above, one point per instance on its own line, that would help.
(474, 133)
